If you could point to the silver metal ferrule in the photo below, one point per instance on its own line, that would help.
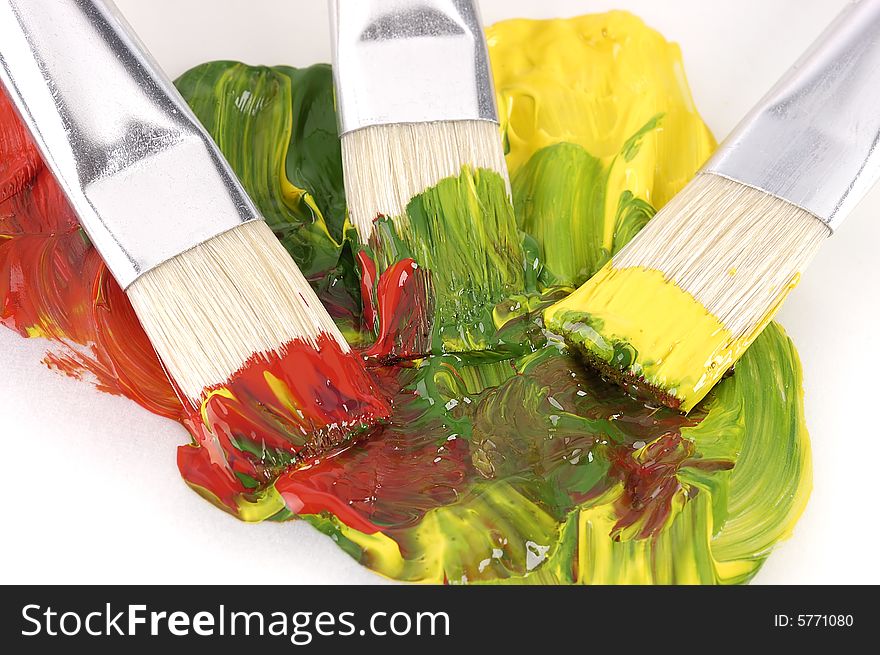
(813, 139)
(145, 179)
(409, 61)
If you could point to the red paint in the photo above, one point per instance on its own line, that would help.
(54, 284)
(404, 310)
(298, 405)
(650, 481)
(392, 478)
(387, 482)
(370, 312)
(20, 162)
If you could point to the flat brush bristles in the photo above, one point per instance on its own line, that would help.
(211, 309)
(735, 249)
(385, 166)
(679, 304)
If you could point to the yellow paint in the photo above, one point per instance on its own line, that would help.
(222, 392)
(386, 558)
(36, 331)
(261, 506)
(293, 195)
(282, 392)
(594, 81)
(680, 347)
(439, 557)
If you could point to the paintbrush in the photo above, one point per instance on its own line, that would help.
(211, 285)
(416, 106)
(674, 309)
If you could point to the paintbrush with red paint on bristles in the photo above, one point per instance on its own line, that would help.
(213, 288)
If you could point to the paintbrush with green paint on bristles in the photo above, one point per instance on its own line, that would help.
(424, 168)
(677, 306)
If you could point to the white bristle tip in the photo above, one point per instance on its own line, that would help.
(385, 166)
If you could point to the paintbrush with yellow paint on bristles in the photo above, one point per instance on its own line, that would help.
(416, 108)
(677, 306)
(213, 288)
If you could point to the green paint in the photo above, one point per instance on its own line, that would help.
(463, 232)
(549, 457)
(277, 128)
(632, 215)
(514, 464)
(560, 199)
(559, 195)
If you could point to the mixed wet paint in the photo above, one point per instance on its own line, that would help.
(482, 451)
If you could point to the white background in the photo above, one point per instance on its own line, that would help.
(91, 487)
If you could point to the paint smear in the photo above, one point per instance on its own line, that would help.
(463, 236)
(653, 358)
(512, 464)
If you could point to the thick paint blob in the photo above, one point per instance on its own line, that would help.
(282, 411)
(511, 464)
